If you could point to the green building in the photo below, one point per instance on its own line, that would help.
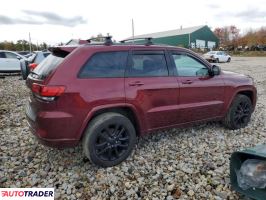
(194, 37)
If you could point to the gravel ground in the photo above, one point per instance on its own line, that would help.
(188, 163)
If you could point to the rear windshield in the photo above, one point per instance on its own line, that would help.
(47, 66)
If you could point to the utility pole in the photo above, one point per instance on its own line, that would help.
(30, 42)
(189, 42)
(133, 33)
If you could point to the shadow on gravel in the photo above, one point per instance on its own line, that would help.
(73, 157)
(14, 74)
(10, 74)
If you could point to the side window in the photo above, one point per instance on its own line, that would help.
(148, 65)
(2, 55)
(11, 55)
(188, 66)
(105, 64)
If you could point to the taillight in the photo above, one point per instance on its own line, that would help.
(47, 93)
(32, 66)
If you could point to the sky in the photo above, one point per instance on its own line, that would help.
(55, 21)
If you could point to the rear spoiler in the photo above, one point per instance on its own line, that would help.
(61, 51)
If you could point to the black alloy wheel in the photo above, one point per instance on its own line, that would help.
(112, 142)
(109, 139)
(239, 113)
(242, 114)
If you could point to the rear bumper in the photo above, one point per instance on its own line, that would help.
(44, 136)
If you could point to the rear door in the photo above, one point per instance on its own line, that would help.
(221, 56)
(151, 88)
(224, 56)
(201, 95)
(12, 62)
(3, 62)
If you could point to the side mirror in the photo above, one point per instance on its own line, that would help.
(18, 57)
(215, 70)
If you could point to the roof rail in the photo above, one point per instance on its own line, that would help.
(147, 39)
(108, 40)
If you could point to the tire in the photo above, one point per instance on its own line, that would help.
(217, 60)
(109, 139)
(229, 60)
(239, 112)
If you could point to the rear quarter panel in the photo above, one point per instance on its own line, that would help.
(84, 96)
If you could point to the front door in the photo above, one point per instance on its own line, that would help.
(201, 95)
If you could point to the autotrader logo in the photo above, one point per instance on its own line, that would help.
(26, 193)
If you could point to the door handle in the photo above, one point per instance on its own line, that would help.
(187, 82)
(136, 83)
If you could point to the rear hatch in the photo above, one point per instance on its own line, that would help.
(43, 95)
(38, 78)
(42, 72)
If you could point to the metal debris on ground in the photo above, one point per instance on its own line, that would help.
(252, 174)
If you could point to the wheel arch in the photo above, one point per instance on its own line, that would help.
(249, 92)
(127, 110)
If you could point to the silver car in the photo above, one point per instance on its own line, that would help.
(10, 61)
(217, 56)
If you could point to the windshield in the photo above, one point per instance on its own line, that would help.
(47, 66)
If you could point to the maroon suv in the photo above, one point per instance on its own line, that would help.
(105, 95)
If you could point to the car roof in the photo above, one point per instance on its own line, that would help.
(115, 47)
(8, 51)
(12, 52)
(65, 50)
(131, 46)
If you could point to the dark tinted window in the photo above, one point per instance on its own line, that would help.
(145, 65)
(105, 64)
(2, 55)
(47, 66)
(189, 66)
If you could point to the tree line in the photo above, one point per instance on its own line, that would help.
(22, 45)
(230, 38)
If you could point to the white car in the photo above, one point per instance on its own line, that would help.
(10, 61)
(217, 56)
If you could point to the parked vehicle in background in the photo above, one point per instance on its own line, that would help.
(10, 61)
(33, 61)
(26, 54)
(217, 56)
(37, 58)
(106, 95)
(23, 53)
